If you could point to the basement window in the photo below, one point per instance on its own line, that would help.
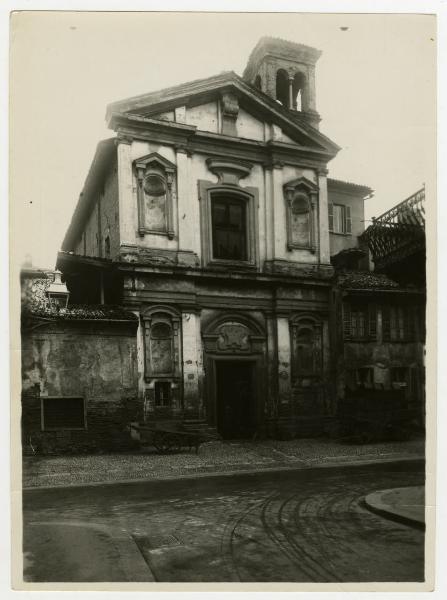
(63, 413)
(162, 394)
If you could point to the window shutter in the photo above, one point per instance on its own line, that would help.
(348, 222)
(346, 321)
(331, 216)
(372, 321)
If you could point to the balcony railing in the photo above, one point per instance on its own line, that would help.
(399, 232)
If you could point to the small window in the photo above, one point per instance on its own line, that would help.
(340, 218)
(398, 323)
(162, 394)
(63, 413)
(229, 228)
(359, 321)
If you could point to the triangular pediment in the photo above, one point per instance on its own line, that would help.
(195, 104)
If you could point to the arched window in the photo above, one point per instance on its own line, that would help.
(282, 87)
(299, 82)
(258, 82)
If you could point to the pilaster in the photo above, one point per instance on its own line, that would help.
(186, 225)
(278, 210)
(125, 191)
(284, 364)
(192, 365)
(324, 248)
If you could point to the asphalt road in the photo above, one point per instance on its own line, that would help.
(303, 526)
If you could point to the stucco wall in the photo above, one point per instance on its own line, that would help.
(90, 360)
(341, 241)
(270, 216)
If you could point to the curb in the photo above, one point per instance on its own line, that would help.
(130, 557)
(376, 503)
(232, 473)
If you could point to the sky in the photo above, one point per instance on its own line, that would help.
(375, 86)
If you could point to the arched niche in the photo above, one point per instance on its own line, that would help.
(156, 182)
(307, 347)
(161, 326)
(301, 196)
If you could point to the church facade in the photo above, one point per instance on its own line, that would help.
(210, 216)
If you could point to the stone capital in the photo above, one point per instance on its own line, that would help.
(183, 149)
(322, 171)
(122, 138)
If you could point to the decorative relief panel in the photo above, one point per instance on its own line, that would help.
(234, 335)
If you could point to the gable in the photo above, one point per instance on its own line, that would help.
(249, 124)
(205, 104)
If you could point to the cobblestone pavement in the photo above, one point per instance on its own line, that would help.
(296, 526)
(214, 457)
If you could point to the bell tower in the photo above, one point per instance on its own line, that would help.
(285, 71)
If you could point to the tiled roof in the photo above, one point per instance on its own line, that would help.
(362, 280)
(83, 312)
(348, 185)
(35, 304)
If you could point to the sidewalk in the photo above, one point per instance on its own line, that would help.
(213, 458)
(405, 504)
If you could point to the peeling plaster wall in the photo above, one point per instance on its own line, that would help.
(95, 361)
(204, 117)
(249, 127)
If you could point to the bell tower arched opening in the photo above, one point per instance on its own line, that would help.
(282, 87)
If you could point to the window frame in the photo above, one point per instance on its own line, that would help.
(408, 318)
(227, 201)
(370, 321)
(163, 384)
(346, 218)
(72, 397)
(207, 191)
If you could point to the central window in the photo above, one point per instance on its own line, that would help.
(229, 228)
